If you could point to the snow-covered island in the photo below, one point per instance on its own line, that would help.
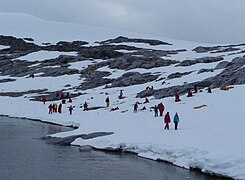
(92, 64)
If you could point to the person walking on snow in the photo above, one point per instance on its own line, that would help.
(135, 107)
(107, 102)
(177, 99)
(167, 121)
(176, 121)
(71, 108)
(161, 108)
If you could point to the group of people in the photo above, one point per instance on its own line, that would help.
(54, 108)
(189, 93)
(159, 107)
(167, 120)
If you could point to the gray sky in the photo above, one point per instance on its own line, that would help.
(213, 21)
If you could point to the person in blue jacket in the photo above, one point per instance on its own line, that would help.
(176, 121)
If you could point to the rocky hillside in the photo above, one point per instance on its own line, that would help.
(139, 61)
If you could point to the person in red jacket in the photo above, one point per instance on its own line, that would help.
(177, 99)
(146, 100)
(50, 107)
(161, 108)
(189, 94)
(85, 106)
(135, 107)
(44, 99)
(167, 121)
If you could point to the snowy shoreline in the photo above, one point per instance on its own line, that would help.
(195, 169)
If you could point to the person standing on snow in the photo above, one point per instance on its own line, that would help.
(71, 108)
(44, 99)
(121, 94)
(107, 101)
(195, 89)
(55, 107)
(161, 108)
(50, 107)
(177, 99)
(167, 121)
(60, 108)
(209, 90)
(85, 106)
(135, 107)
(176, 121)
(156, 110)
(189, 94)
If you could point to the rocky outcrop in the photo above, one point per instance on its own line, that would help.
(18, 94)
(7, 80)
(200, 60)
(178, 75)
(95, 79)
(133, 78)
(218, 49)
(17, 44)
(222, 65)
(122, 39)
(128, 62)
(66, 46)
(234, 74)
(204, 70)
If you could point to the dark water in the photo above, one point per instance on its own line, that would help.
(24, 156)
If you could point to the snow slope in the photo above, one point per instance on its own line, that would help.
(210, 138)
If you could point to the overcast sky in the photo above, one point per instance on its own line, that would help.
(213, 21)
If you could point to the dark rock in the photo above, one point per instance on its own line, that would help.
(178, 75)
(201, 49)
(128, 62)
(133, 78)
(222, 65)
(122, 39)
(204, 70)
(29, 39)
(200, 60)
(18, 94)
(7, 80)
